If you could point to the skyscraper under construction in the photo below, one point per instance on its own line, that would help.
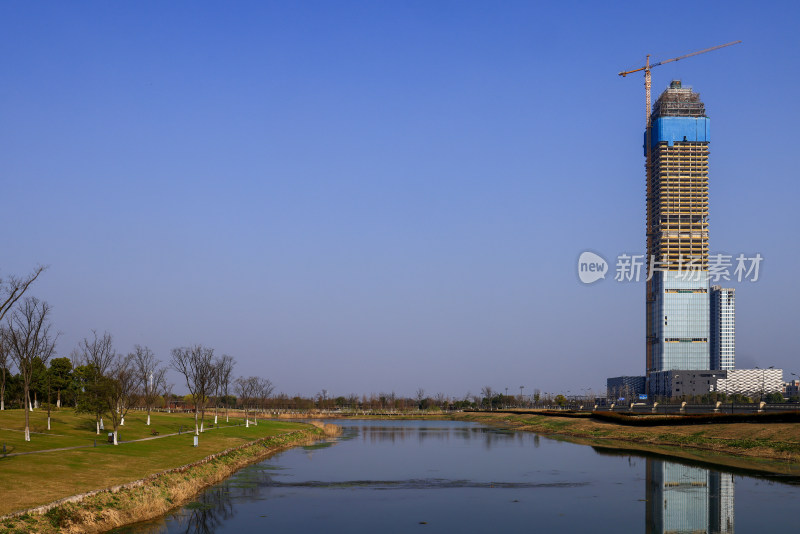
(676, 152)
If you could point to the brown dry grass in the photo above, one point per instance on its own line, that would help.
(328, 429)
(764, 447)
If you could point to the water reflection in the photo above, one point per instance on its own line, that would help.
(686, 499)
(213, 507)
(488, 437)
(457, 477)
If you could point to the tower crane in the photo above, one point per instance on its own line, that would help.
(648, 66)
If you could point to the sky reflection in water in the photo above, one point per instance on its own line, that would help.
(442, 476)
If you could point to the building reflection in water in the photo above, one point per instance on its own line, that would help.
(683, 499)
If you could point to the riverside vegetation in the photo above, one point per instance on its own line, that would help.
(763, 447)
(168, 469)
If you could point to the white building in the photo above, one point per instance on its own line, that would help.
(722, 344)
(751, 382)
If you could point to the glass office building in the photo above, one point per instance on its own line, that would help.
(677, 301)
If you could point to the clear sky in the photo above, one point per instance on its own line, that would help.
(381, 196)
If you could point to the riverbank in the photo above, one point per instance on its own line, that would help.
(68, 459)
(766, 448)
(153, 496)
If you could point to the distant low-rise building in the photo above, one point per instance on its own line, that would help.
(749, 382)
(791, 389)
(680, 383)
(752, 382)
(627, 387)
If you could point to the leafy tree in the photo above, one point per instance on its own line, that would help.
(774, 398)
(5, 362)
(92, 391)
(561, 400)
(420, 396)
(38, 381)
(60, 376)
(14, 390)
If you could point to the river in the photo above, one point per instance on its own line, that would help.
(448, 476)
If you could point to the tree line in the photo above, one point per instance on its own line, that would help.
(98, 380)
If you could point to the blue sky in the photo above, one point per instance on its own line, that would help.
(381, 196)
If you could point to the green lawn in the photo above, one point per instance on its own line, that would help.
(44, 477)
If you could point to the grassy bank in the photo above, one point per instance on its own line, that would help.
(769, 448)
(44, 477)
(151, 497)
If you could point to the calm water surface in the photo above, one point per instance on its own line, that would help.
(443, 476)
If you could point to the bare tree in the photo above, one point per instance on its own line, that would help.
(120, 390)
(149, 375)
(488, 393)
(4, 366)
(196, 364)
(264, 392)
(97, 354)
(226, 364)
(12, 289)
(28, 336)
(246, 389)
(166, 391)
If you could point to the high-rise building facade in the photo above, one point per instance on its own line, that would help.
(723, 328)
(677, 320)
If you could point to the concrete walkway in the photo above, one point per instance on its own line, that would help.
(103, 443)
(32, 432)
